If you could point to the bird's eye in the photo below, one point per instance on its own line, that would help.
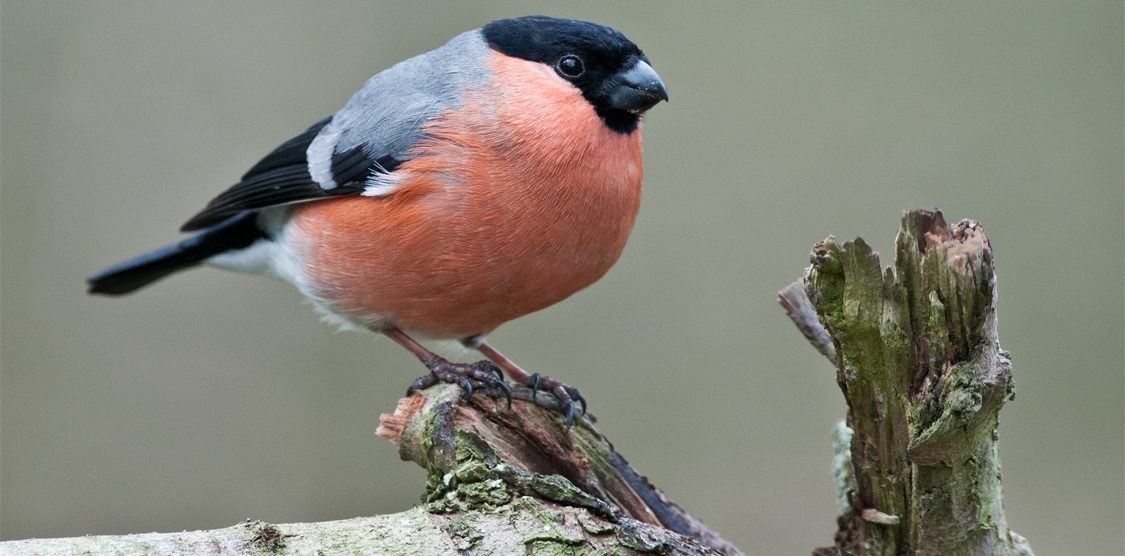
(571, 66)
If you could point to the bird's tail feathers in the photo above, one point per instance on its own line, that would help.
(237, 232)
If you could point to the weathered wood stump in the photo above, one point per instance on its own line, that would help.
(920, 366)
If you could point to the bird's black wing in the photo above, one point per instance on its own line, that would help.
(282, 177)
(373, 133)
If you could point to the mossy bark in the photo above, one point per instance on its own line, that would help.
(919, 363)
(482, 455)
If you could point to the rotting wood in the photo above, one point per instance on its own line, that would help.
(919, 363)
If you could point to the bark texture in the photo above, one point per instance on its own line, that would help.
(482, 455)
(527, 525)
(919, 363)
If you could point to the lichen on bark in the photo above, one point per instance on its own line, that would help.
(485, 459)
(919, 363)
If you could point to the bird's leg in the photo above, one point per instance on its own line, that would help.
(469, 376)
(566, 395)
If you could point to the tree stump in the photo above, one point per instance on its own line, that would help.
(920, 366)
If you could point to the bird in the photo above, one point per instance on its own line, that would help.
(455, 191)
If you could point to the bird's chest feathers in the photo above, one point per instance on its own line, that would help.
(548, 177)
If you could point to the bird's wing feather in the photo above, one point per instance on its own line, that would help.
(291, 152)
(373, 134)
(283, 177)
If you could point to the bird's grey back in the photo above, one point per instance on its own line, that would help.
(385, 116)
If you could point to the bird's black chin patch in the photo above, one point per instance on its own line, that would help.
(620, 121)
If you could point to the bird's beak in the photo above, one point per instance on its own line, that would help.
(637, 88)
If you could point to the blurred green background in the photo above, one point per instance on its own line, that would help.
(214, 397)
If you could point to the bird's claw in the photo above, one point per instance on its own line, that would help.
(534, 380)
(471, 377)
(421, 383)
(577, 395)
(502, 386)
(484, 375)
(496, 371)
(566, 395)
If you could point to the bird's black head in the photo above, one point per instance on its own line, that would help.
(612, 73)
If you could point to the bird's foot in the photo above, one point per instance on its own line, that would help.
(566, 395)
(471, 377)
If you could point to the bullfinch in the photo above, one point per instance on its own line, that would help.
(457, 190)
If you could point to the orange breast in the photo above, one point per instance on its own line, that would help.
(517, 200)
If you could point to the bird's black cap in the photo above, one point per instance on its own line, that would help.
(604, 56)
